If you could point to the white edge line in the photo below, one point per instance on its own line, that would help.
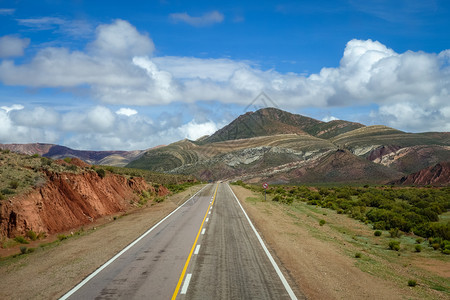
(197, 249)
(186, 284)
(92, 275)
(274, 264)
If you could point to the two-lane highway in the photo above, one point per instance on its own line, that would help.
(206, 249)
(152, 267)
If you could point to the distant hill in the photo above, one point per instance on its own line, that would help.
(113, 158)
(277, 146)
(438, 174)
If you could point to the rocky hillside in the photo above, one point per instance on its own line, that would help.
(46, 196)
(438, 174)
(277, 146)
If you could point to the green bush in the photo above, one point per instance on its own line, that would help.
(418, 248)
(21, 239)
(68, 159)
(394, 245)
(23, 249)
(412, 283)
(419, 240)
(322, 222)
(357, 255)
(62, 237)
(101, 173)
(394, 232)
(32, 235)
(377, 233)
(14, 184)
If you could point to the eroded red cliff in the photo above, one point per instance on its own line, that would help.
(69, 201)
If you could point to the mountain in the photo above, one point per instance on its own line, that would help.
(113, 158)
(276, 146)
(438, 174)
(270, 121)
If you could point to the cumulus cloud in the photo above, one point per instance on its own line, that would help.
(11, 45)
(206, 19)
(119, 68)
(97, 128)
(126, 111)
(121, 39)
(194, 130)
(12, 107)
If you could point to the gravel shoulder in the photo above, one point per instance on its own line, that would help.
(321, 259)
(51, 271)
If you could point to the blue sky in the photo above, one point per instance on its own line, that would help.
(135, 74)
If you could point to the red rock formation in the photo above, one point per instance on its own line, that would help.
(435, 175)
(68, 201)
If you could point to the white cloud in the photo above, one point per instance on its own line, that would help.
(329, 118)
(194, 130)
(6, 11)
(11, 45)
(121, 39)
(37, 117)
(126, 111)
(206, 19)
(12, 107)
(118, 68)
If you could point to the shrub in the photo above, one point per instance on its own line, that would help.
(23, 249)
(418, 248)
(394, 245)
(322, 222)
(436, 246)
(377, 233)
(101, 173)
(1, 196)
(159, 199)
(14, 184)
(394, 232)
(31, 250)
(357, 255)
(277, 198)
(68, 159)
(32, 235)
(7, 192)
(412, 283)
(62, 237)
(419, 240)
(21, 239)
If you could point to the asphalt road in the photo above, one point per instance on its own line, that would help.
(204, 250)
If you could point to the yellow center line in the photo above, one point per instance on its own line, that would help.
(175, 293)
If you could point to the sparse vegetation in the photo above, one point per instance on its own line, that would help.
(394, 245)
(32, 235)
(101, 172)
(20, 239)
(412, 283)
(398, 210)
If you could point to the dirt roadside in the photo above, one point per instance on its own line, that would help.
(321, 259)
(49, 273)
